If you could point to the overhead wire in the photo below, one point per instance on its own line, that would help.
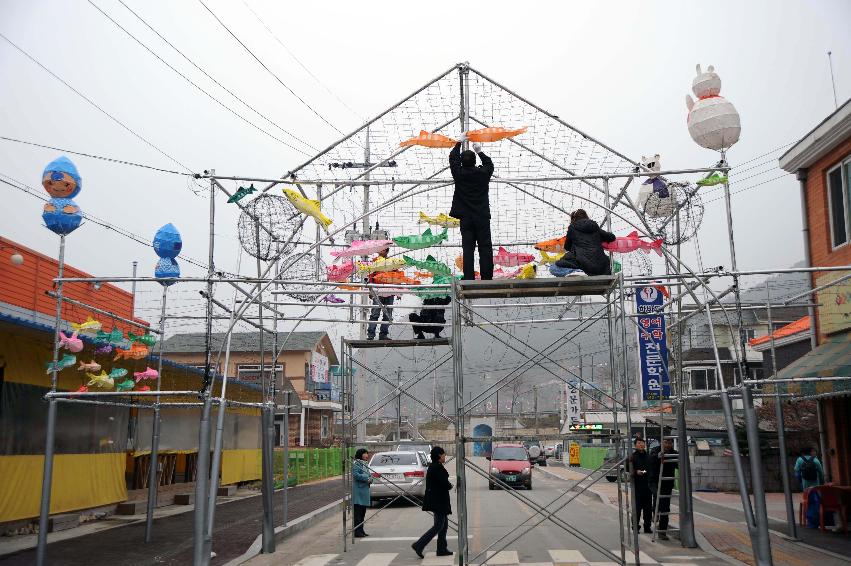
(93, 103)
(262, 64)
(196, 85)
(226, 89)
(297, 60)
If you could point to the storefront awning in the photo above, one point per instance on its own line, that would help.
(829, 360)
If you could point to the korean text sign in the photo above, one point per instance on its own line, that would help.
(652, 345)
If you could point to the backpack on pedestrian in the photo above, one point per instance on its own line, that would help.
(809, 469)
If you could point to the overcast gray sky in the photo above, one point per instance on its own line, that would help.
(617, 70)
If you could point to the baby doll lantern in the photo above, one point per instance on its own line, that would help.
(712, 121)
(654, 198)
(62, 182)
(167, 245)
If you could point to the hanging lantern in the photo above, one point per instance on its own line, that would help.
(62, 182)
(713, 121)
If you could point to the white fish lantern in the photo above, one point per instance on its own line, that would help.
(713, 121)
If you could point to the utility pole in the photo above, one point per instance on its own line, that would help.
(398, 404)
(535, 395)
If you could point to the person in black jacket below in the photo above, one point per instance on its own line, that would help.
(639, 469)
(471, 205)
(663, 469)
(434, 316)
(436, 500)
(584, 245)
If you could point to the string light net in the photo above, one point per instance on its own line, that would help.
(266, 224)
(687, 212)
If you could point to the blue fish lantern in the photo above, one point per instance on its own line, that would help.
(62, 182)
(167, 267)
(167, 242)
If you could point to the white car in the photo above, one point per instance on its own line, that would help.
(394, 473)
(550, 451)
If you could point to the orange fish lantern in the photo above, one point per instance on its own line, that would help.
(428, 139)
(555, 245)
(493, 134)
(424, 274)
(135, 352)
(394, 278)
(459, 262)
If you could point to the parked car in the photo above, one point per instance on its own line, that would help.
(413, 447)
(550, 451)
(510, 465)
(536, 453)
(394, 472)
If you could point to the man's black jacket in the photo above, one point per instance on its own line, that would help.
(436, 498)
(471, 186)
(656, 466)
(640, 461)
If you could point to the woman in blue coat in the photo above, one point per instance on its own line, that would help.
(360, 492)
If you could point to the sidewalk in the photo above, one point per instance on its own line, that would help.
(719, 519)
(238, 523)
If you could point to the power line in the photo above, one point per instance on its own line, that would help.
(302, 65)
(110, 159)
(93, 103)
(190, 81)
(277, 78)
(226, 89)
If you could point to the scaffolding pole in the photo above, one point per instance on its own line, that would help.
(153, 471)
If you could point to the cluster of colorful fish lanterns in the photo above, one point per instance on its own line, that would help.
(133, 347)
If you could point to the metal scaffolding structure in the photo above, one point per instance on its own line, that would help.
(555, 168)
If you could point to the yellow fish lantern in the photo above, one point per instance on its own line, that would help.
(309, 207)
(528, 271)
(381, 264)
(443, 220)
(547, 259)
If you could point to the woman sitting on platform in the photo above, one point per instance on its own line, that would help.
(584, 246)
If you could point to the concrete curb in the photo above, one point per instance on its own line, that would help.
(707, 547)
(300, 524)
(589, 490)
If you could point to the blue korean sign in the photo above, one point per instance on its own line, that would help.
(652, 345)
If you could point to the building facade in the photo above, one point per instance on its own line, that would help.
(821, 160)
(302, 375)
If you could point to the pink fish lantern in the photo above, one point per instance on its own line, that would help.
(631, 242)
(500, 273)
(363, 248)
(340, 273)
(149, 373)
(82, 389)
(70, 343)
(510, 259)
(333, 299)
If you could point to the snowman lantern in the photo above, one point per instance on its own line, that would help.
(712, 121)
(62, 182)
(167, 245)
(654, 198)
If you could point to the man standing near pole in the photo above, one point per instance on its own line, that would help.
(663, 465)
(639, 469)
(471, 204)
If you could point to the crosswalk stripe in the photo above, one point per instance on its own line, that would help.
(431, 559)
(502, 557)
(630, 556)
(567, 556)
(378, 559)
(316, 560)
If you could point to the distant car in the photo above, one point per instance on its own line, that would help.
(550, 451)
(395, 472)
(510, 465)
(536, 453)
(612, 471)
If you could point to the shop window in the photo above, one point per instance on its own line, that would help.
(325, 426)
(838, 189)
(702, 379)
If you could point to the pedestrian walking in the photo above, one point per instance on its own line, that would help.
(436, 500)
(662, 467)
(639, 469)
(360, 494)
(471, 205)
(808, 469)
(583, 245)
(382, 307)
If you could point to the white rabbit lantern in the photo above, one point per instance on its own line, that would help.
(713, 121)
(654, 198)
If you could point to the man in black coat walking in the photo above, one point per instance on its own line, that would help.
(471, 204)
(436, 500)
(639, 469)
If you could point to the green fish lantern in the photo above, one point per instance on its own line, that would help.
(712, 180)
(421, 241)
(426, 293)
(117, 373)
(116, 337)
(241, 193)
(147, 339)
(126, 385)
(67, 360)
(430, 264)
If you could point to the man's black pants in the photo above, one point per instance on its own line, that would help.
(643, 506)
(476, 231)
(441, 524)
(360, 516)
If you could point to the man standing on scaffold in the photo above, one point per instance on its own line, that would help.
(471, 205)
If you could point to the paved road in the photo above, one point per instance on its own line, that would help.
(494, 517)
(237, 525)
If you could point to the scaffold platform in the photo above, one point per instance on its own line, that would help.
(413, 343)
(549, 287)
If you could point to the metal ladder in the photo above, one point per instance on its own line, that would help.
(659, 496)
